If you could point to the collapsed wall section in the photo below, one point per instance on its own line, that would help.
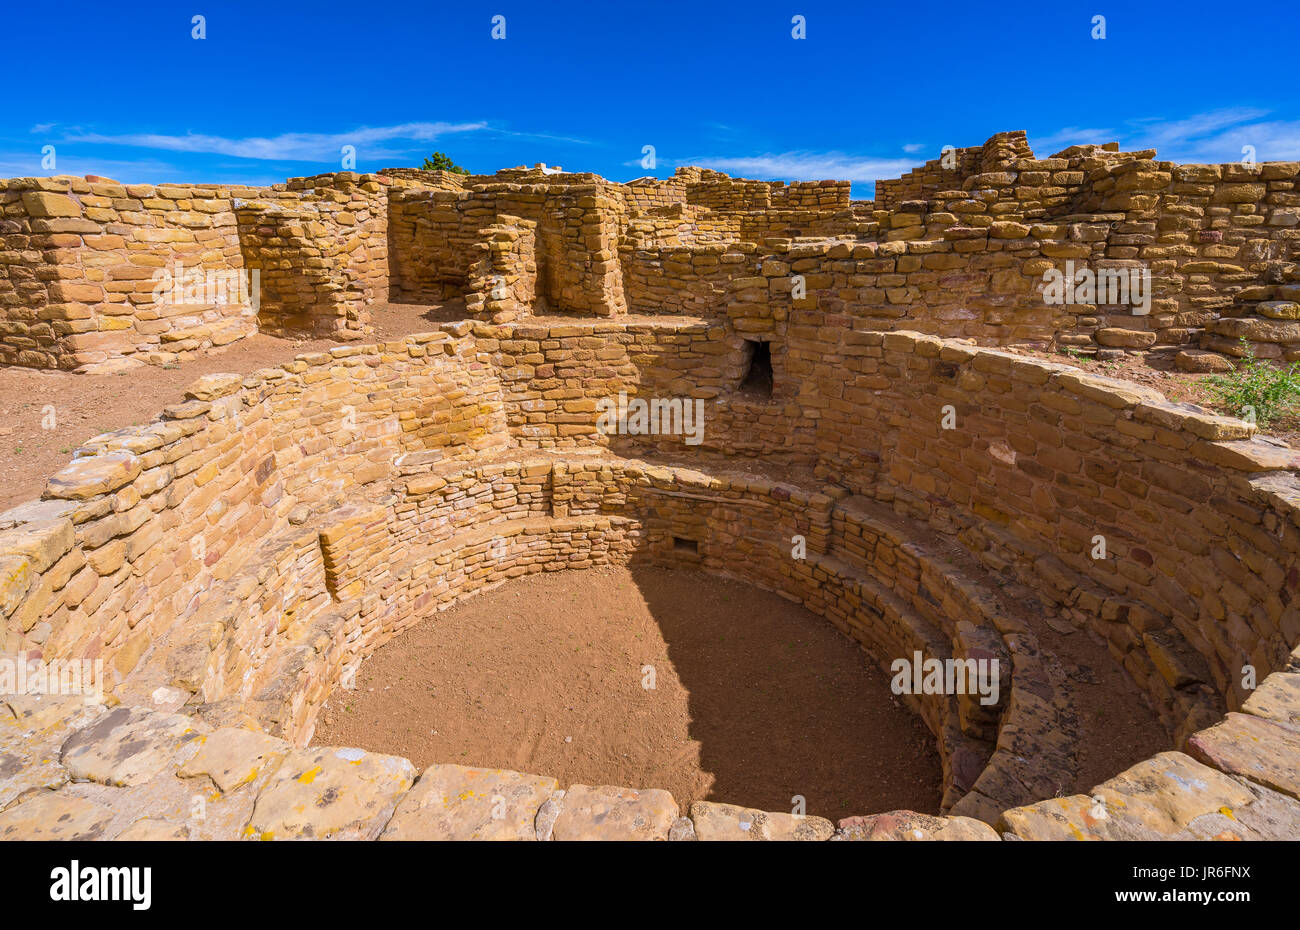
(95, 274)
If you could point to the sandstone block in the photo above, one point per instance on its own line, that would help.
(730, 822)
(454, 802)
(54, 816)
(233, 757)
(911, 826)
(44, 204)
(609, 813)
(330, 793)
(1125, 338)
(128, 746)
(93, 475)
(1264, 751)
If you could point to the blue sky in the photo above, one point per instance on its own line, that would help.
(275, 90)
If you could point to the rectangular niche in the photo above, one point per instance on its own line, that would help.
(756, 362)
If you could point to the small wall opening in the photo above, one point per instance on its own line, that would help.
(758, 379)
(687, 546)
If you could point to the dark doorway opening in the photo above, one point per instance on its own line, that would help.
(758, 369)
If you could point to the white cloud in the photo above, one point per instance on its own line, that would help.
(806, 166)
(913, 147)
(1212, 136)
(1044, 146)
(290, 146)
(130, 171)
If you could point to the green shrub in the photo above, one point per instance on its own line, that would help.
(1258, 386)
(442, 162)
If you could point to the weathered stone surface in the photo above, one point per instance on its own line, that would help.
(1257, 329)
(330, 793)
(730, 822)
(609, 813)
(49, 712)
(233, 758)
(454, 802)
(39, 545)
(911, 826)
(1277, 698)
(682, 831)
(210, 387)
(154, 831)
(1109, 391)
(1201, 361)
(1271, 816)
(1262, 750)
(1125, 338)
(1278, 309)
(50, 815)
(33, 729)
(1155, 799)
(128, 745)
(92, 475)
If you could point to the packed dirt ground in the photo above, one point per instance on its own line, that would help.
(87, 405)
(755, 699)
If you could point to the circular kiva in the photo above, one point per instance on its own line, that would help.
(236, 560)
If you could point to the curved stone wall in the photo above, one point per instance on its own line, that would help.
(244, 551)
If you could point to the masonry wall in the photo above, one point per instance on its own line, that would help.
(1198, 575)
(328, 503)
(87, 268)
(133, 535)
(958, 251)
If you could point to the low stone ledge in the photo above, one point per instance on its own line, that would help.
(93, 475)
(128, 746)
(713, 821)
(52, 816)
(456, 802)
(610, 813)
(1169, 796)
(1264, 751)
(911, 826)
(330, 793)
(1277, 698)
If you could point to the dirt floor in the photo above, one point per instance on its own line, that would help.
(755, 700)
(87, 405)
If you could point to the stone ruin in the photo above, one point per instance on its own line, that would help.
(233, 561)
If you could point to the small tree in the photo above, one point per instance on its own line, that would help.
(442, 162)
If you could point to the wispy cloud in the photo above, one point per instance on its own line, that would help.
(913, 147)
(1212, 136)
(806, 166)
(289, 146)
(23, 164)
